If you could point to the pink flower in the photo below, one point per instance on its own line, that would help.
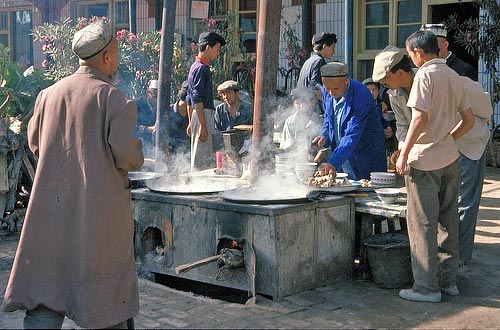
(45, 63)
(120, 35)
(46, 39)
(138, 74)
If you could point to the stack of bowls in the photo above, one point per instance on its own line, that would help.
(382, 179)
(284, 163)
(305, 170)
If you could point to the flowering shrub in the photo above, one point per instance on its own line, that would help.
(55, 39)
(139, 55)
(139, 60)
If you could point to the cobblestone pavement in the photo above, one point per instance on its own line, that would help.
(343, 305)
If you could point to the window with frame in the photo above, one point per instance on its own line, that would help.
(246, 20)
(382, 23)
(15, 25)
(117, 11)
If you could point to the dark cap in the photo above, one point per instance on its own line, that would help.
(334, 69)
(439, 30)
(206, 37)
(368, 81)
(229, 85)
(323, 38)
(183, 91)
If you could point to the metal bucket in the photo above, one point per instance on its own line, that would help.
(389, 259)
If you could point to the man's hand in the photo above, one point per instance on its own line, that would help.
(188, 129)
(202, 133)
(319, 140)
(329, 169)
(402, 165)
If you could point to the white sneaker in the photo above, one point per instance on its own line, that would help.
(409, 294)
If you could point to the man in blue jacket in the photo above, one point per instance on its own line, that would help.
(351, 126)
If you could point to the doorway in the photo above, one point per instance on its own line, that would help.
(463, 10)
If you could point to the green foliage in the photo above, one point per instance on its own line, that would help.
(55, 39)
(23, 86)
(481, 37)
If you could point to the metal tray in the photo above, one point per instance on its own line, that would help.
(138, 176)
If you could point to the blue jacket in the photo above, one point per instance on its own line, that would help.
(361, 134)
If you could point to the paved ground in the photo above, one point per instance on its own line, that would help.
(344, 305)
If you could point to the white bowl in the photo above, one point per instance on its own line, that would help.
(303, 175)
(305, 170)
(284, 166)
(306, 166)
(383, 178)
(387, 195)
(284, 157)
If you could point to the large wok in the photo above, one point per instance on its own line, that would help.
(251, 195)
(192, 185)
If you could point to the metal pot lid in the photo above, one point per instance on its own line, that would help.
(137, 176)
(194, 185)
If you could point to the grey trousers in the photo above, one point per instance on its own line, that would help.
(432, 220)
(44, 318)
(202, 153)
(471, 187)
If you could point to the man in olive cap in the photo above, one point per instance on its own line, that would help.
(352, 125)
(232, 111)
(200, 94)
(459, 66)
(392, 68)
(75, 256)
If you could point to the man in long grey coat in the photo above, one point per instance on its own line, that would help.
(75, 256)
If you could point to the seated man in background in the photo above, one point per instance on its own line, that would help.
(146, 118)
(232, 111)
(302, 126)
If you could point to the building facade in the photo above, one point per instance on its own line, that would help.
(363, 27)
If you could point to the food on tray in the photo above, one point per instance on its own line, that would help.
(320, 179)
(365, 183)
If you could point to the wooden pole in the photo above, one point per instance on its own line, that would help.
(266, 71)
(164, 82)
